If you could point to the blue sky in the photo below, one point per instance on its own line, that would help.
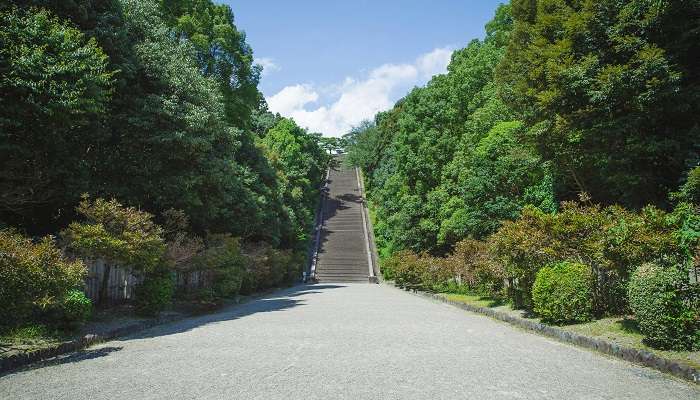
(330, 64)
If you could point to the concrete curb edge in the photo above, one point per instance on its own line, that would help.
(15, 362)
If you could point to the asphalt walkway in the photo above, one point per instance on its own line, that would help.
(327, 341)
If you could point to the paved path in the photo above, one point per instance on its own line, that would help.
(354, 341)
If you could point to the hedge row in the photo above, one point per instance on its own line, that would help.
(41, 281)
(581, 263)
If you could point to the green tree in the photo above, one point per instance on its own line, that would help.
(609, 91)
(55, 85)
(222, 53)
(300, 164)
(446, 162)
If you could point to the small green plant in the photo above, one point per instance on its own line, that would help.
(563, 292)
(667, 312)
(409, 270)
(74, 309)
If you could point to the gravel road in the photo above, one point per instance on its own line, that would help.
(350, 341)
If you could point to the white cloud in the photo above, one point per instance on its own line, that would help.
(268, 65)
(292, 98)
(355, 100)
(434, 62)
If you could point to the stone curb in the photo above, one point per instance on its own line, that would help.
(637, 356)
(20, 360)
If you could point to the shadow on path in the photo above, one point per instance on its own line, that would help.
(280, 300)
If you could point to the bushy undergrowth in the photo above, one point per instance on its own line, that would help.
(155, 293)
(267, 267)
(224, 259)
(610, 240)
(563, 292)
(666, 309)
(74, 309)
(575, 265)
(35, 277)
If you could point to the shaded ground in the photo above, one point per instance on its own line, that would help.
(340, 341)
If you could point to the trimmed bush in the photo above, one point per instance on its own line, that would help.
(668, 317)
(563, 292)
(610, 240)
(34, 277)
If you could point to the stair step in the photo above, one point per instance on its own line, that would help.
(341, 270)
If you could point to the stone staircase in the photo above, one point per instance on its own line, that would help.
(342, 254)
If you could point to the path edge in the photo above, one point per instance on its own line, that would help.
(633, 355)
(16, 362)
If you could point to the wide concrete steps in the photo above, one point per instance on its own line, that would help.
(342, 255)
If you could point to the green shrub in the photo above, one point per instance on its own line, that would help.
(155, 293)
(33, 277)
(409, 269)
(563, 292)
(668, 317)
(224, 259)
(609, 240)
(472, 265)
(74, 309)
(690, 191)
(124, 235)
(523, 246)
(267, 267)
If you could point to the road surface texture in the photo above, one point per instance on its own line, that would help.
(342, 255)
(353, 341)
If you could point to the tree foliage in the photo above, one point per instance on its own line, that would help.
(448, 161)
(55, 85)
(300, 163)
(609, 90)
(153, 103)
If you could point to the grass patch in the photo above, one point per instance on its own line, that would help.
(622, 331)
(29, 338)
(475, 300)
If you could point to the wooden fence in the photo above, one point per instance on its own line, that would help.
(122, 281)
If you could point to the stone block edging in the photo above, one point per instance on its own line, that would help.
(16, 361)
(637, 356)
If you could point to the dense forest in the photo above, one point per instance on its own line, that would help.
(152, 103)
(134, 131)
(569, 134)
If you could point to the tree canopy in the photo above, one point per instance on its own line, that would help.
(152, 103)
(560, 99)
